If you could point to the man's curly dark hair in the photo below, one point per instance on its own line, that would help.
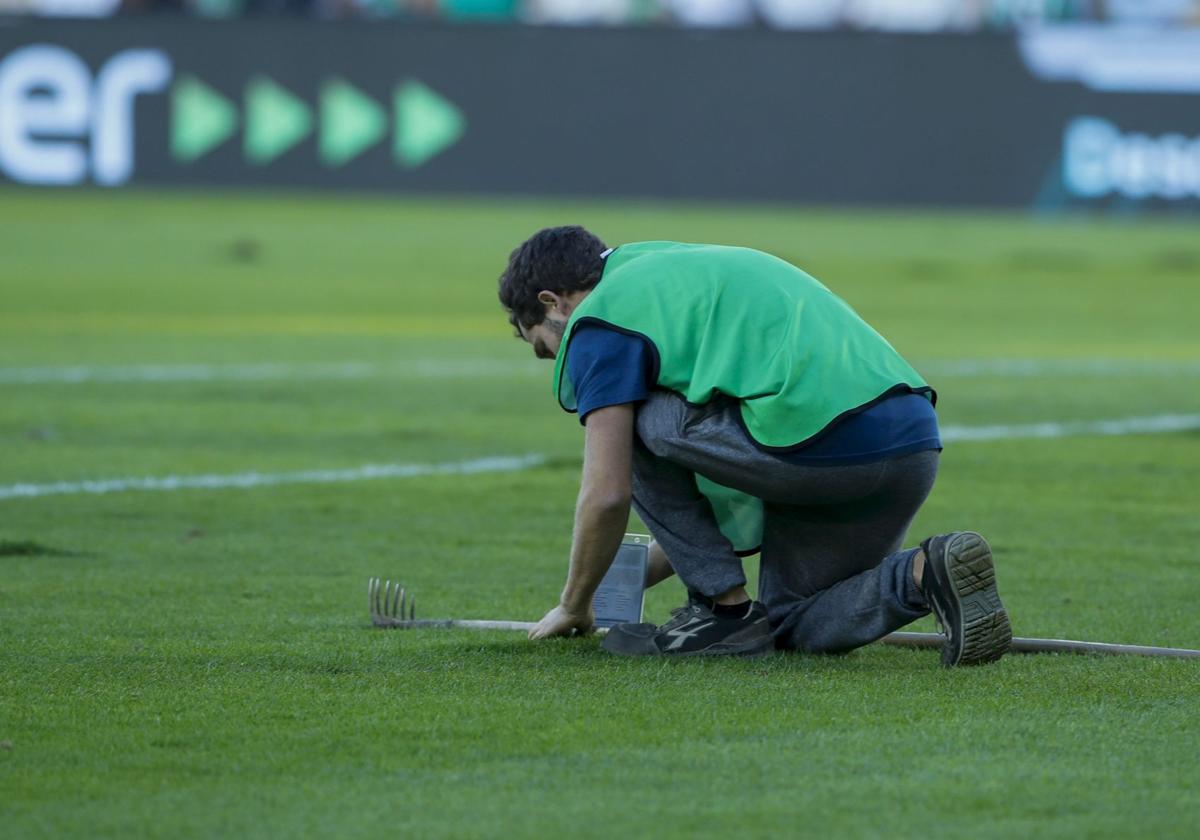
(559, 259)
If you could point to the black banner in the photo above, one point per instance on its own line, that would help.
(1050, 120)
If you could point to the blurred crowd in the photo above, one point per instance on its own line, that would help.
(889, 15)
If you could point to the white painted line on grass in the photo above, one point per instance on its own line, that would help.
(1021, 368)
(367, 472)
(465, 368)
(1157, 424)
(264, 371)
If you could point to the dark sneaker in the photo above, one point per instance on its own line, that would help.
(694, 630)
(960, 585)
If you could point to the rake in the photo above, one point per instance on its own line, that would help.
(392, 606)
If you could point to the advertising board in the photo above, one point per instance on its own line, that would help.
(1051, 119)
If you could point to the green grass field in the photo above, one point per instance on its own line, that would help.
(199, 662)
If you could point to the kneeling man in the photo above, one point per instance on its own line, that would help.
(744, 408)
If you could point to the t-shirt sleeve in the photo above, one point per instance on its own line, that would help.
(607, 367)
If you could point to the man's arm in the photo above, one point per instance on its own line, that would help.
(601, 516)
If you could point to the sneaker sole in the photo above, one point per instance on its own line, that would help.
(986, 632)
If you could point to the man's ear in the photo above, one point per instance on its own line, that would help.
(548, 298)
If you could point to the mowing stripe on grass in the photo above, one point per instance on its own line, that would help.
(496, 464)
(465, 368)
(950, 434)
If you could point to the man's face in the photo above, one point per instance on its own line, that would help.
(547, 336)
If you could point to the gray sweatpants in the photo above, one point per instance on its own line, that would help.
(833, 576)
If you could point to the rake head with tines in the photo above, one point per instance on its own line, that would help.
(390, 604)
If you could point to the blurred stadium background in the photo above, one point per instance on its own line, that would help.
(1044, 105)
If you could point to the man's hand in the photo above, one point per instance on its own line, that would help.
(559, 622)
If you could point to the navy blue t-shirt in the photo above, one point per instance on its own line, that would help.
(608, 367)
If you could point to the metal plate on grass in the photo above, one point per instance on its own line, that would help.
(622, 592)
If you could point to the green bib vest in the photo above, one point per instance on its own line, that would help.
(747, 325)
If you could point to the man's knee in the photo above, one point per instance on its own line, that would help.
(791, 634)
(825, 647)
(658, 420)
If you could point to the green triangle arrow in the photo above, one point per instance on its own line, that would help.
(201, 119)
(350, 122)
(426, 124)
(275, 120)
